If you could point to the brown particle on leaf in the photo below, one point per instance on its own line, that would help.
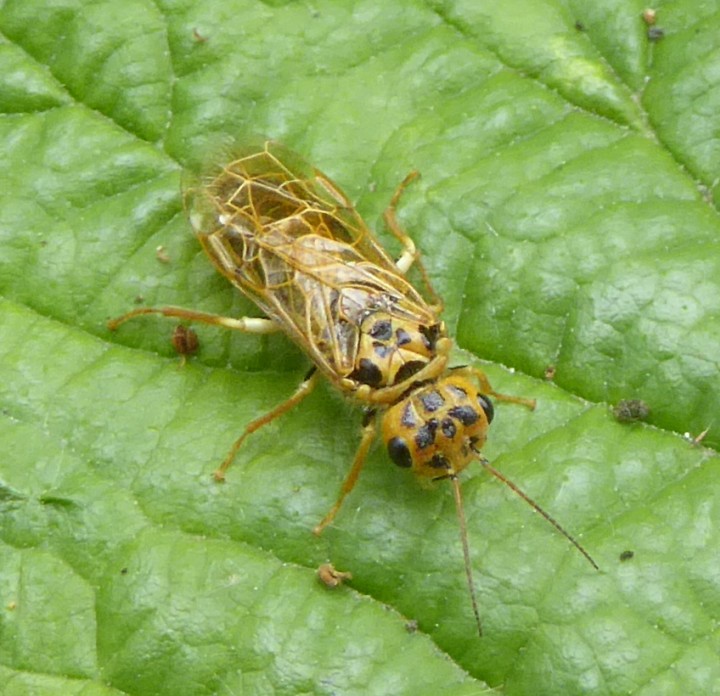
(411, 626)
(161, 254)
(185, 341)
(649, 16)
(550, 373)
(330, 577)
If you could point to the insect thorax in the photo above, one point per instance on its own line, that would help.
(392, 349)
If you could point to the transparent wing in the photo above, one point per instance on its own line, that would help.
(289, 238)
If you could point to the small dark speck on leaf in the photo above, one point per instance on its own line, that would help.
(631, 411)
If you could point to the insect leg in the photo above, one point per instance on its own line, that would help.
(410, 253)
(487, 389)
(368, 435)
(304, 388)
(249, 324)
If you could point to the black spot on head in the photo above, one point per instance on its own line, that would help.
(426, 435)
(457, 392)
(439, 462)
(465, 414)
(486, 406)
(367, 372)
(448, 428)
(432, 400)
(408, 416)
(399, 452)
(402, 337)
(381, 330)
(408, 370)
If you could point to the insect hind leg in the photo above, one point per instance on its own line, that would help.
(303, 389)
(410, 254)
(259, 325)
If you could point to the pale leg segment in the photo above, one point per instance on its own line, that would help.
(410, 253)
(257, 325)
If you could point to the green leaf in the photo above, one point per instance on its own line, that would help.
(566, 216)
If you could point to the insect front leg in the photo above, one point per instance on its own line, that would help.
(368, 435)
(304, 388)
(410, 253)
(259, 325)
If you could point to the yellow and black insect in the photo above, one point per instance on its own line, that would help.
(290, 239)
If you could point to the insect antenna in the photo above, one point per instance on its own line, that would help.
(466, 549)
(537, 508)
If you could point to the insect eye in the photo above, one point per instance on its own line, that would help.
(486, 406)
(399, 452)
